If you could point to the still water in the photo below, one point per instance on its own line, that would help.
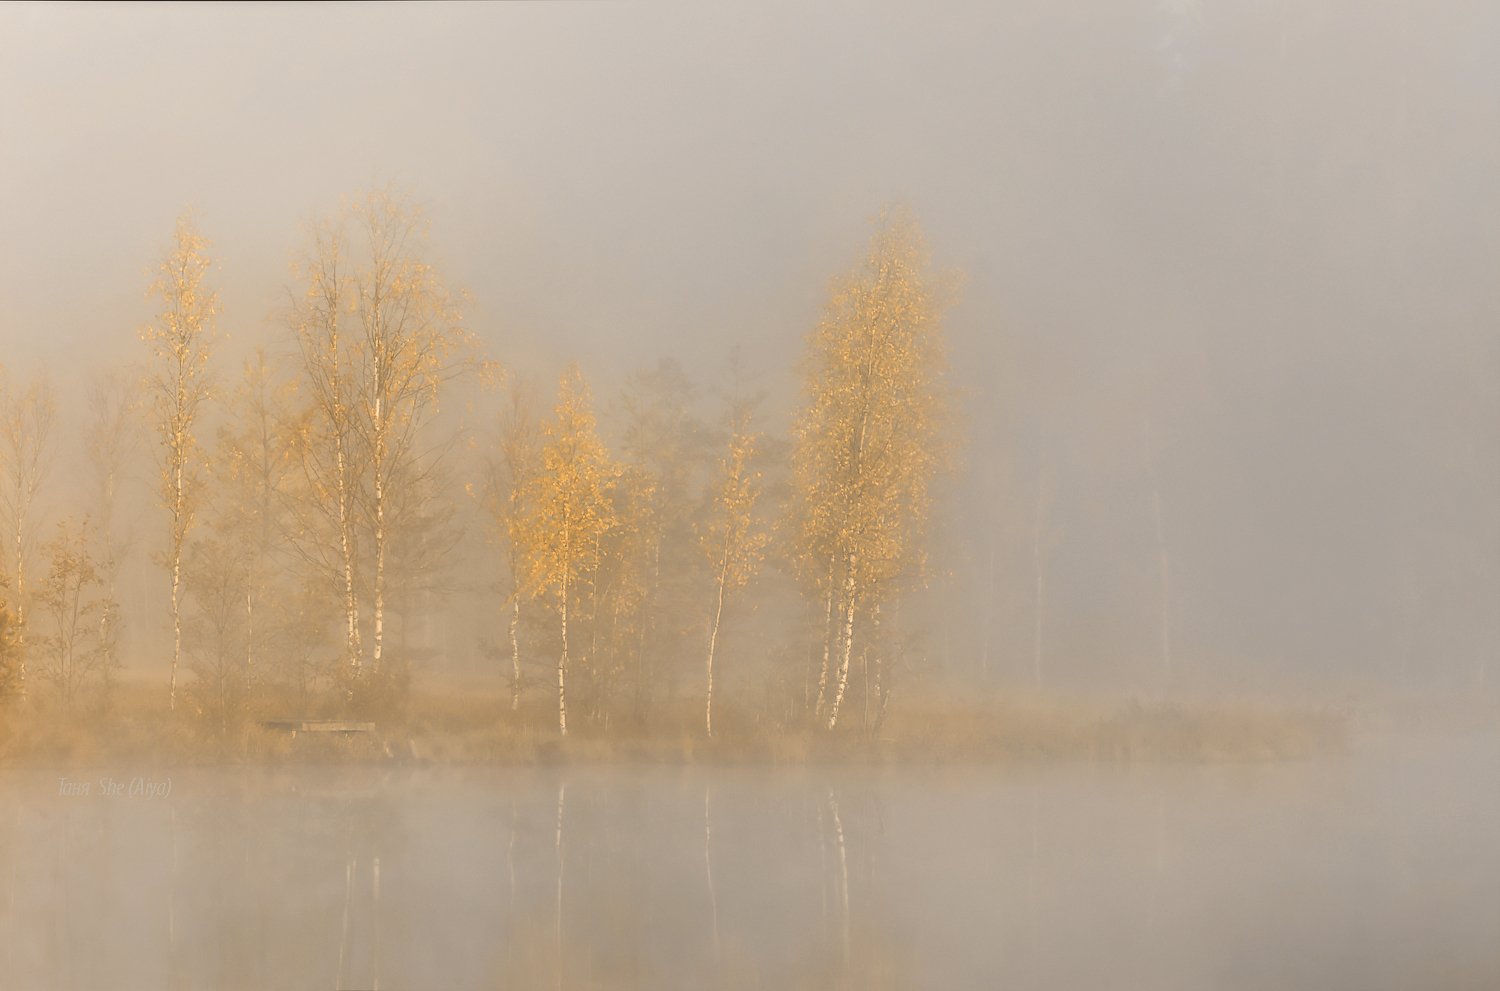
(1377, 869)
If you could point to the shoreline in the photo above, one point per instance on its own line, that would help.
(473, 730)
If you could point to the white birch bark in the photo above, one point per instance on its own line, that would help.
(179, 538)
(379, 592)
(713, 640)
(827, 645)
(515, 652)
(846, 639)
(562, 664)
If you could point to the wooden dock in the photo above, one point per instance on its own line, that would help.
(295, 726)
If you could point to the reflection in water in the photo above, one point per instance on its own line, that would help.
(1370, 873)
(843, 877)
(708, 864)
(562, 794)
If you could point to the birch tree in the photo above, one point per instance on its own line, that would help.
(326, 435)
(110, 441)
(26, 458)
(729, 540)
(869, 439)
(179, 341)
(568, 512)
(510, 479)
(407, 330)
(380, 335)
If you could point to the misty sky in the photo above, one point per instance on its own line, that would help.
(1268, 229)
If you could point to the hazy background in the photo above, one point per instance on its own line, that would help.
(1267, 229)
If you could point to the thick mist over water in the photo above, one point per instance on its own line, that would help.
(526, 603)
(1376, 872)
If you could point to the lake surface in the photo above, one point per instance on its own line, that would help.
(1380, 869)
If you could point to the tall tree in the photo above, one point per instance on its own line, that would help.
(510, 474)
(26, 457)
(568, 511)
(326, 434)
(409, 332)
(869, 439)
(109, 442)
(179, 341)
(380, 336)
(729, 538)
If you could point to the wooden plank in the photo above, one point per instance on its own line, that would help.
(318, 726)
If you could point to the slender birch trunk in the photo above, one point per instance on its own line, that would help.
(346, 550)
(339, 415)
(20, 610)
(562, 666)
(515, 652)
(846, 639)
(379, 593)
(180, 340)
(713, 640)
(250, 666)
(178, 539)
(827, 644)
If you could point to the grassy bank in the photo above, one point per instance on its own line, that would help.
(456, 724)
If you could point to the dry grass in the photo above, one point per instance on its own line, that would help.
(451, 724)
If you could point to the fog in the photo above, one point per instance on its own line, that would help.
(1374, 873)
(1213, 416)
(1266, 227)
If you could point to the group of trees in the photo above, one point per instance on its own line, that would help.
(60, 627)
(310, 506)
